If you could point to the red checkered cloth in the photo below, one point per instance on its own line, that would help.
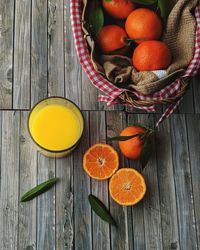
(111, 92)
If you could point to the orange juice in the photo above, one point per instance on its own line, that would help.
(56, 125)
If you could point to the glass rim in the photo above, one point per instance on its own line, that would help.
(49, 150)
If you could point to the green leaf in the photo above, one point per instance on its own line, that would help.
(97, 20)
(163, 9)
(100, 209)
(146, 152)
(39, 189)
(124, 138)
(145, 2)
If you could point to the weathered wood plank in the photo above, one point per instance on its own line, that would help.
(170, 233)
(89, 94)
(152, 217)
(56, 48)
(193, 125)
(138, 210)
(22, 58)
(46, 205)
(182, 175)
(27, 179)
(82, 210)
(73, 70)
(120, 240)
(64, 203)
(6, 52)
(187, 104)
(196, 93)
(101, 230)
(39, 48)
(9, 191)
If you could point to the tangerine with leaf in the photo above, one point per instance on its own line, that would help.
(135, 143)
(118, 9)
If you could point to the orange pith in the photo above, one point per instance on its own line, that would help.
(100, 161)
(127, 186)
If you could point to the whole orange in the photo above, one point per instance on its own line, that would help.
(132, 148)
(118, 9)
(151, 55)
(143, 23)
(111, 38)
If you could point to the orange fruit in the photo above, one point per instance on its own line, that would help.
(151, 55)
(127, 186)
(100, 161)
(118, 9)
(111, 38)
(143, 23)
(131, 148)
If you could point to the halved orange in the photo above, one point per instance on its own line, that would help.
(100, 161)
(127, 186)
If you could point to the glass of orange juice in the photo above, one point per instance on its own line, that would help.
(56, 125)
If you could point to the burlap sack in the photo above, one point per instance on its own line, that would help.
(179, 35)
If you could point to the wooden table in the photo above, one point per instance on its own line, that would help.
(35, 63)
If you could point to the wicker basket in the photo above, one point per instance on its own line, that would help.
(170, 95)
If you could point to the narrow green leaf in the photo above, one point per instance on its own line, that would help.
(124, 138)
(97, 20)
(39, 189)
(146, 152)
(163, 9)
(100, 209)
(145, 2)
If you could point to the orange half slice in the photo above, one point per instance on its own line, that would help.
(127, 186)
(100, 161)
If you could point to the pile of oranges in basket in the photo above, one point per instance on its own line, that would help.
(141, 26)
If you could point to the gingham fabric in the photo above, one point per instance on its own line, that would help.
(110, 91)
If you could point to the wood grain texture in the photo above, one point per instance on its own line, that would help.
(6, 53)
(22, 55)
(167, 218)
(82, 210)
(39, 51)
(138, 210)
(9, 192)
(120, 240)
(73, 70)
(196, 93)
(187, 104)
(46, 228)
(152, 216)
(27, 179)
(56, 48)
(101, 229)
(193, 125)
(64, 204)
(182, 176)
(170, 230)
